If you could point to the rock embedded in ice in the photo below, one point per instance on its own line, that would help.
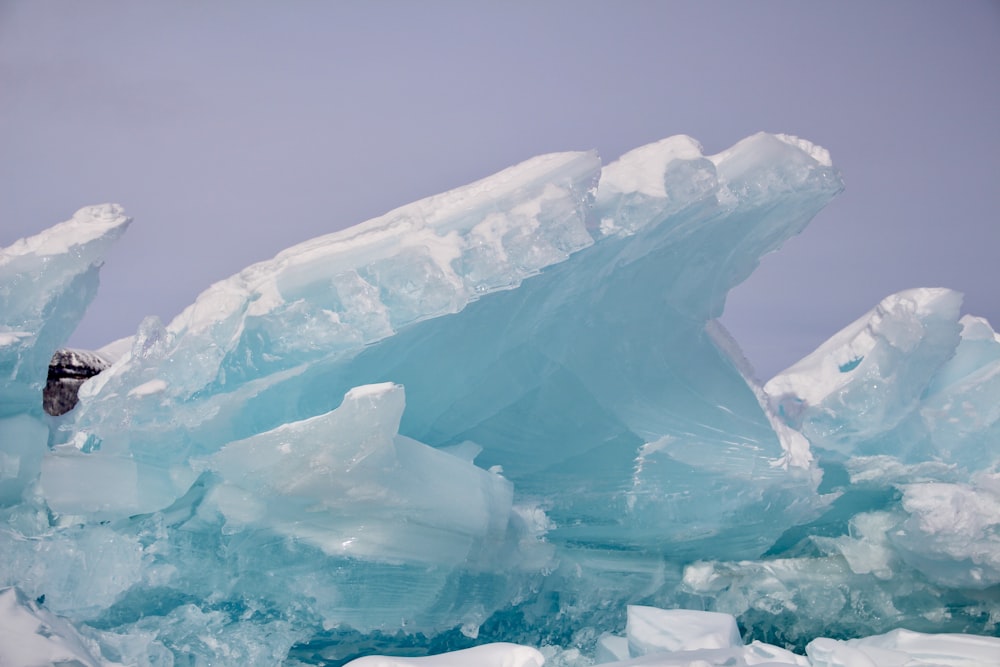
(49, 280)
(322, 302)
(68, 369)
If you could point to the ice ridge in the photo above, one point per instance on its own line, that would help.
(505, 413)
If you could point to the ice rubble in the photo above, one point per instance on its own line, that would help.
(671, 638)
(505, 414)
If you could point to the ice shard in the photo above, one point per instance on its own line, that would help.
(506, 413)
(49, 280)
(46, 283)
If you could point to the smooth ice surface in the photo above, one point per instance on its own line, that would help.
(500, 417)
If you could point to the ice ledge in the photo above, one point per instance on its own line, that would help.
(814, 151)
(87, 224)
(898, 321)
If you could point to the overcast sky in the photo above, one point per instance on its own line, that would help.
(231, 130)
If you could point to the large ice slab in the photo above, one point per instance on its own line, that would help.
(323, 301)
(347, 482)
(642, 393)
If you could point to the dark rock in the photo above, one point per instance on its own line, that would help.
(69, 369)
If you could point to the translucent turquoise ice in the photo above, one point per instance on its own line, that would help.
(502, 413)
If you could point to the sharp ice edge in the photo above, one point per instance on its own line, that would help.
(248, 485)
(46, 283)
(796, 450)
(88, 225)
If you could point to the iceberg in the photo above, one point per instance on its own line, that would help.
(501, 425)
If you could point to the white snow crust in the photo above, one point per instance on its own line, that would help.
(88, 224)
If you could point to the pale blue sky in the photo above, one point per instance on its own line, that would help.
(230, 130)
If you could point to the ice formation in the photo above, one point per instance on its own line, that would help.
(502, 425)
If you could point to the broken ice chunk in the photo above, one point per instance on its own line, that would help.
(55, 275)
(22, 444)
(871, 375)
(953, 532)
(651, 630)
(348, 483)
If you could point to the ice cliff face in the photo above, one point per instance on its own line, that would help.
(503, 412)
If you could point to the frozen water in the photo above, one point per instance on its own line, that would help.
(348, 483)
(506, 413)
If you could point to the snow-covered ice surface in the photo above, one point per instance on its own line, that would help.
(502, 426)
